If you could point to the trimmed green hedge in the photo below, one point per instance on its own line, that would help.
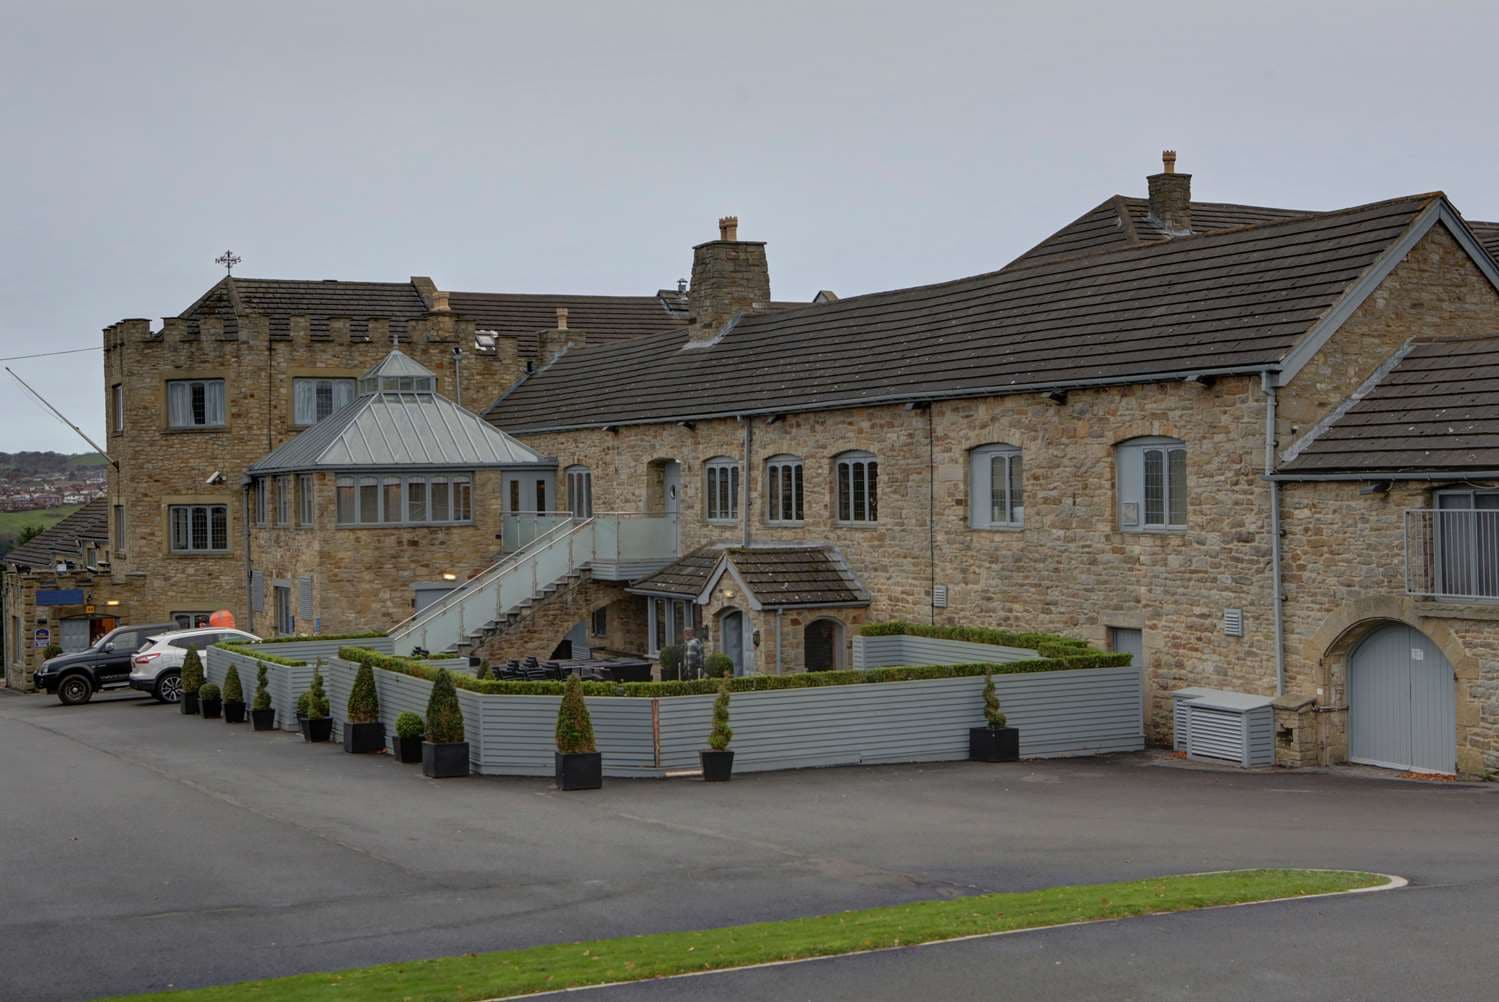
(1046, 644)
(304, 637)
(743, 683)
(252, 651)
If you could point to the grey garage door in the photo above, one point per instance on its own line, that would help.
(1402, 702)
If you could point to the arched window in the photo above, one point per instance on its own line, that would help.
(722, 489)
(857, 487)
(996, 488)
(1152, 474)
(579, 491)
(783, 489)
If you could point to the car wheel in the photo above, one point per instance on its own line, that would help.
(169, 688)
(75, 690)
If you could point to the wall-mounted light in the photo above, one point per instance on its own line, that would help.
(449, 576)
(728, 593)
(112, 602)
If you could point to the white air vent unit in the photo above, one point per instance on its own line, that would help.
(1233, 622)
(939, 596)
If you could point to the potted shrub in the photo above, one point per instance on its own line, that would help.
(444, 750)
(408, 739)
(302, 702)
(262, 716)
(318, 726)
(671, 657)
(210, 702)
(234, 697)
(363, 731)
(192, 681)
(718, 760)
(718, 665)
(994, 742)
(579, 764)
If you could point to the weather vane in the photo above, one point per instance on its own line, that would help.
(228, 259)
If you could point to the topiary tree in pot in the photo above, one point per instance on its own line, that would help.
(210, 701)
(363, 731)
(319, 723)
(671, 662)
(234, 697)
(192, 681)
(579, 764)
(445, 749)
(994, 742)
(302, 702)
(262, 715)
(408, 739)
(718, 760)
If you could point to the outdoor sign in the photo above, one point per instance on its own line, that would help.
(40, 638)
(59, 596)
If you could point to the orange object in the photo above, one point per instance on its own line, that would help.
(222, 618)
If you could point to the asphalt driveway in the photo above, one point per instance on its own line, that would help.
(140, 849)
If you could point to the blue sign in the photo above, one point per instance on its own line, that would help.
(59, 596)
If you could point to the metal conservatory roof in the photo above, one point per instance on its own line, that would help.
(384, 429)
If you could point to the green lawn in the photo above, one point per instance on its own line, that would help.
(12, 522)
(632, 958)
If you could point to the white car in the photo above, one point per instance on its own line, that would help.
(157, 667)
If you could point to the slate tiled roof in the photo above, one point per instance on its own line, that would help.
(1488, 235)
(688, 576)
(385, 430)
(66, 539)
(775, 575)
(605, 318)
(1237, 299)
(1436, 409)
(800, 576)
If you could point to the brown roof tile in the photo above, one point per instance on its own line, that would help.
(775, 575)
(65, 540)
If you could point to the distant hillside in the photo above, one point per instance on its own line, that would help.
(47, 462)
(12, 522)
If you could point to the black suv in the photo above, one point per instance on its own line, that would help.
(106, 665)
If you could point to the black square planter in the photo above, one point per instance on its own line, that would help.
(447, 760)
(994, 744)
(234, 711)
(408, 750)
(317, 729)
(211, 708)
(580, 770)
(263, 720)
(718, 766)
(364, 739)
(189, 704)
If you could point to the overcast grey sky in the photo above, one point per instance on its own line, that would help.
(579, 147)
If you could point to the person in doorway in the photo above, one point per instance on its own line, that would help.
(693, 660)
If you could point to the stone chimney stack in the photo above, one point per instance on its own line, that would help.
(551, 343)
(1171, 197)
(562, 318)
(729, 277)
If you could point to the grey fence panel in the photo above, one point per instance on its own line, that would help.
(307, 650)
(901, 649)
(518, 734)
(283, 682)
(685, 723)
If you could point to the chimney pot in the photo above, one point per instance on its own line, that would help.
(1171, 197)
(728, 228)
(562, 318)
(439, 301)
(1168, 160)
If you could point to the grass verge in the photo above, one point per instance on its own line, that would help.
(633, 958)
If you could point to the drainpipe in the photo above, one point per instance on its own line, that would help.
(458, 375)
(779, 610)
(744, 475)
(931, 508)
(249, 567)
(1277, 598)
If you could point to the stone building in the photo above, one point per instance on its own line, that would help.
(1106, 438)
(52, 591)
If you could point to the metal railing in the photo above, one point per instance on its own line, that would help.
(520, 529)
(1452, 553)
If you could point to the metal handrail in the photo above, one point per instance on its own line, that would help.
(1456, 553)
(458, 594)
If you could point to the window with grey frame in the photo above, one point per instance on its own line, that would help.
(286, 624)
(783, 489)
(262, 503)
(195, 403)
(579, 491)
(1152, 479)
(996, 486)
(722, 490)
(283, 500)
(316, 397)
(117, 405)
(119, 541)
(856, 478)
(199, 528)
(372, 499)
(306, 500)
(668, 619)
(599, 626)
(1466, 544)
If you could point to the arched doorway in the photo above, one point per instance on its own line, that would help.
(822, 644)
(731, 637)
(1402, 702)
